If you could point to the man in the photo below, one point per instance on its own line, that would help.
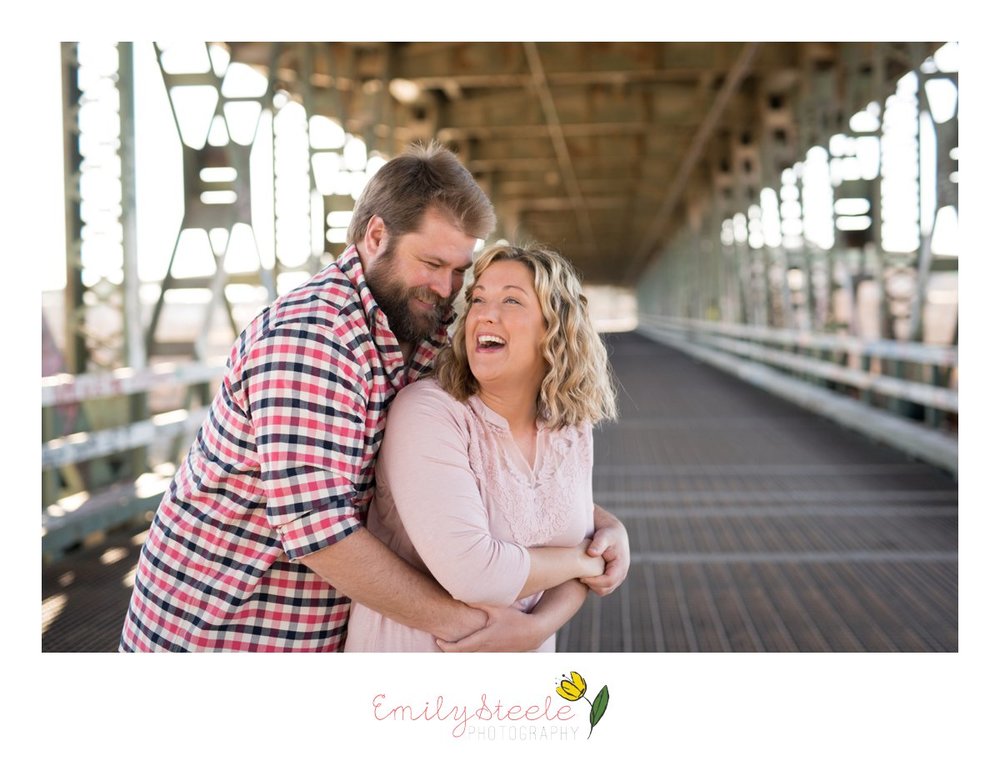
(259, 542)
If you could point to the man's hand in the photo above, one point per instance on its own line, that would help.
(507, 630)
(611, 542)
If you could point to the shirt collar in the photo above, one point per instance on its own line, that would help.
(349, 263)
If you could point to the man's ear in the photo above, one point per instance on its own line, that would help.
(375, 239)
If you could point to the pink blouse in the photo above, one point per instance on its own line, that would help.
(454, 496)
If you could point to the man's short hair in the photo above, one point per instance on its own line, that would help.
(423, 177)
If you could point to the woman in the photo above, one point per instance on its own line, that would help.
(484, 475)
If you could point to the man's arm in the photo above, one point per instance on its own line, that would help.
(510, 630)
(362, 568)
(611, 542)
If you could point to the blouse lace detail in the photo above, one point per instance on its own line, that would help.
(532, 505)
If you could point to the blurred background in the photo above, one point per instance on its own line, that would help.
(767, 232)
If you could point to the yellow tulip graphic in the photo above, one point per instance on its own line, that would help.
(575, 687)
(572, 690)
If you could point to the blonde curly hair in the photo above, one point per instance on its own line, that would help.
(578, 385)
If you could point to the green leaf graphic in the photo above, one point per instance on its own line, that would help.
(598, 707)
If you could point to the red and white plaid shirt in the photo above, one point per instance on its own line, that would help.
(282, 467)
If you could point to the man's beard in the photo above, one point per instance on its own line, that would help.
(393, 298)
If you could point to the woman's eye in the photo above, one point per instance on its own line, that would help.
(511, 300)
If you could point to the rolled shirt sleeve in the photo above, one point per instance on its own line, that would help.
(306, 405)
(424, 461)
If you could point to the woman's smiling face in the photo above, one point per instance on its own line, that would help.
(504, 327)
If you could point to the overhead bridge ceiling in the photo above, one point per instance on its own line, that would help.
(602, 150)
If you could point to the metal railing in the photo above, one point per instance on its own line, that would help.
(76, 503)
(897, 392)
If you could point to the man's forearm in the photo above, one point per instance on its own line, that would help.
(362, 568)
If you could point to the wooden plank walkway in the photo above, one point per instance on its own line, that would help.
(754, 526)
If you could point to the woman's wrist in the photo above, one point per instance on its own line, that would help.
(588, 565)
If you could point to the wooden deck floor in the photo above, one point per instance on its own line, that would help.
(754, 526)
